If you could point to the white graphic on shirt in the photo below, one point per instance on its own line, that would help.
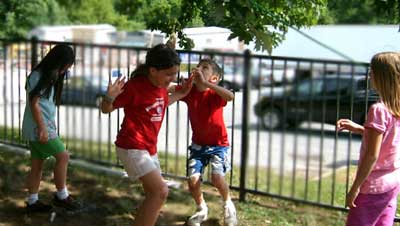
(156, 110)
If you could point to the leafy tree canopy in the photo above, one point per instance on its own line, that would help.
(247, 19)
(20, 16)
(361, 12)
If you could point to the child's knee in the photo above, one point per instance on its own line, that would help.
(217, 180)
(193, 182)
(163, 192)
(62, 157)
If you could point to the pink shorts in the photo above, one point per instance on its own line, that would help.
(374, 209)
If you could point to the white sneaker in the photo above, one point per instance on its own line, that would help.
(199, 217)
(230, 218)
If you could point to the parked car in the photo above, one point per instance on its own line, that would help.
(260, 77)
(323, 99)
(84, 91)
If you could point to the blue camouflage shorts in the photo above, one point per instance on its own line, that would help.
(201, 156)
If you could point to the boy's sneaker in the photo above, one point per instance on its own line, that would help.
(38, 207)
(230, 218)
(69, 203)
(199, 217)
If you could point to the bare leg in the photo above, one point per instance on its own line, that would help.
(195, 189)
(60, 169)
(156, 192)
(219, 182)
(35, 176)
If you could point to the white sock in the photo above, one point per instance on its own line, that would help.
(63, 193)
(202, 205)
(228, 201)
(32, 198)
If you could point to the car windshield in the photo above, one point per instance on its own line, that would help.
(308, 87)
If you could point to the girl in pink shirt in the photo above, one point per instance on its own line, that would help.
(373, 196)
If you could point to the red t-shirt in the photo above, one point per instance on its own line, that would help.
(144, 107)
(206, 117)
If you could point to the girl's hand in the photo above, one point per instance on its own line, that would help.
(187, 85)
(351, 197)
(43, 135)
(347, 124)
(115, 89)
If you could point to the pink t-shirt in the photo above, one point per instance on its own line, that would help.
(385, 175)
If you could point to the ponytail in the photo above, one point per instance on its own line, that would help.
(141, 70)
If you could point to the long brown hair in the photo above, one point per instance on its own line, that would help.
(385, 73)
(160, 57)
(49, 67)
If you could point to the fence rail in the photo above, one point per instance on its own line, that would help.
(280, 124)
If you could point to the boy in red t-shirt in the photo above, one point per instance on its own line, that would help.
(210, 144)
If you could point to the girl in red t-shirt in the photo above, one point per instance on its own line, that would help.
(144, 98)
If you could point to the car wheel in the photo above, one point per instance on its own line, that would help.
(293, 124)
(271, 118)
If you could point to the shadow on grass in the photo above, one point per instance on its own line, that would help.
(113, 201)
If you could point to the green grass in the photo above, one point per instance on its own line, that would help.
(268, 182)
(320, 191)
(117, 199)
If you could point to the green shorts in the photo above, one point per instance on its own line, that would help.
(43, 151)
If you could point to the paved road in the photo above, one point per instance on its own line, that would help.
(279, 150)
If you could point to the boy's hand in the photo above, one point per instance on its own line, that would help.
(347, 124)
(198, 76)
(115, 89)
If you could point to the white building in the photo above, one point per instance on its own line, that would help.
(94, 33)
(213, 38)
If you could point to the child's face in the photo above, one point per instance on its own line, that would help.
(162, 78)
(208, 72)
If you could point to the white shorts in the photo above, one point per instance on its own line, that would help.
(138, 163)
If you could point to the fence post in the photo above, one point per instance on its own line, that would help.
(34, 53)
(245, 125)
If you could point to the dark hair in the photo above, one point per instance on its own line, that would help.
(215, 67)
(49, 67)
(160, 57)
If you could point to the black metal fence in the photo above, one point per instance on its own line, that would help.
(280, 124)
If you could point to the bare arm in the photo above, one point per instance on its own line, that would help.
(346, 124)
(221, 91)
(106, 106)
(113, 91)
(177, 95)
(367, 164)
(202, 82)
(37, 117)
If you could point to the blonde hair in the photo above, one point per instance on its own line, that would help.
(385, 69)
